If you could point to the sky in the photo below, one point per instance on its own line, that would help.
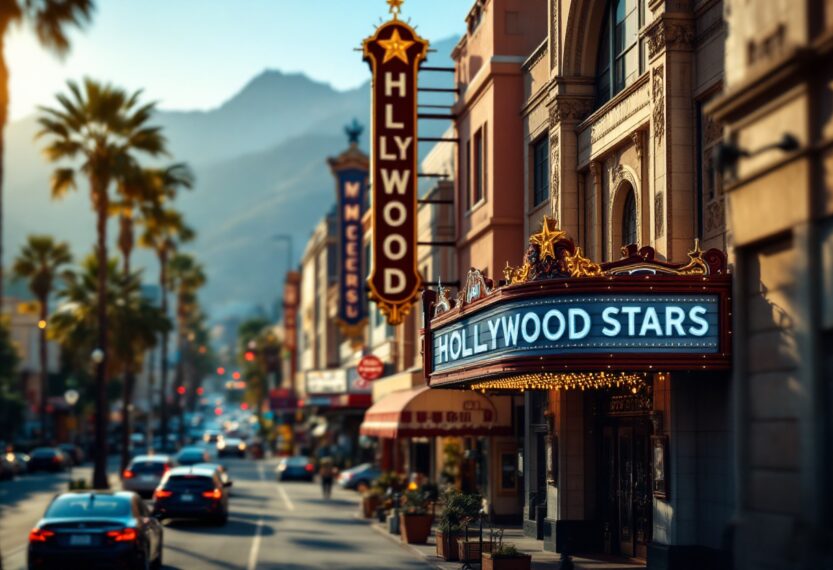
(195, 54)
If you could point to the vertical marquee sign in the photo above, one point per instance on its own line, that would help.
(350, 171)
(394, 54)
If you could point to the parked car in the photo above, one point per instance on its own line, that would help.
(6, 468)
(298, 468)
(220, 469)
(144, 473)
(73, 453)
(193, 493)
(20, 462)
(231, 446)
(359, 476)
(192, 455)
(96, 528)
(48, 459)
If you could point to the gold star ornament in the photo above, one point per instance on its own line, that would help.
(395, 7)
(395, 47)
(546, 238)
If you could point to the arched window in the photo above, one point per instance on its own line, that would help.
(620, 60)
(629, 219)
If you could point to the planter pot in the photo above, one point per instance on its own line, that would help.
(469, 550)
(522, 562)
(447, 545)
(415, 528)
(369, 506)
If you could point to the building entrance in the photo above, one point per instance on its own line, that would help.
(627, 506)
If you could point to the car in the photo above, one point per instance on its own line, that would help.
(6, 469)
(48, 459)
(144, 473)
(359, 476)
(96, 528)
(191, 455)
(73, 453)
(225, 479)
(191, 493)
(231, 446)
(211, 436)
(19, 461)
(295, 468)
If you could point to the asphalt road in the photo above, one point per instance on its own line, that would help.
(271, 525)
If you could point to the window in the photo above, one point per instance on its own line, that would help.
(619, 60)
(540, 170)
(629, 219)
(479, 166)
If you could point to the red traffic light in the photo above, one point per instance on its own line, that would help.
(180, 390)
(221, 371)
(218, 411)
(249, 356)
(236, 376)
(244, 406)
(200, 390)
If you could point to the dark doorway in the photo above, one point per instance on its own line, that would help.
(626, 477)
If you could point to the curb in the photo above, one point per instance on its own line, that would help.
(405, 546)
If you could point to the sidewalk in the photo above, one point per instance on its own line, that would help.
(541, 560)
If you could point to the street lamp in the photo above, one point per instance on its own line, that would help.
(97, 356)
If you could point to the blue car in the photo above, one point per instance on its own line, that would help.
(359, 476)
(298, 468)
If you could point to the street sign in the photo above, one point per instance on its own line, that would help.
(370, 367)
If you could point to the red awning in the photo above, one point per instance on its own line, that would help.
(422, 412)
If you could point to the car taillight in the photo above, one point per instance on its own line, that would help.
(166, 468)
(215, 494)
(123, 535)
(56, 459)
(162, 494)
(127, 474)
(309, 467)
(40, 535)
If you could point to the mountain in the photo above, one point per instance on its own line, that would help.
(260, 162)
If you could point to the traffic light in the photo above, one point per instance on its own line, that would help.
(249, 356)
(180, 390)
(200, 391)
(221, 371)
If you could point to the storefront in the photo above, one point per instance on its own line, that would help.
(456, 437)
(624, 370)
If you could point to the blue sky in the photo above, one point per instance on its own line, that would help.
(195, 54)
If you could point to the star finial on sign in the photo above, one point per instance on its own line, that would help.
(353, 131)
(546, 238)
(395, 47)
(395, 7)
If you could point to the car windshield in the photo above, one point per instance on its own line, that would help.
(189, 457)
(88, 506)
(296, 461)
(43, 452)
(189, 482)
(148, 467)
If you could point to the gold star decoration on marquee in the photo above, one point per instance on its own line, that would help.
(395, 7)
(395, 47)
(546, 238)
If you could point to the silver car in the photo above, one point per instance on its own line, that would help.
(144, 473)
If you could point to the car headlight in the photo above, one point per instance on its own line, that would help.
(221, 445)
(242, 447)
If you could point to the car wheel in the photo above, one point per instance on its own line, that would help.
(222, 520)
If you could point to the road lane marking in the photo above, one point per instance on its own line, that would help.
(260, 472)
(287, 501)
(255, 546)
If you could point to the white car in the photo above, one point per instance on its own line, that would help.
(144, 473)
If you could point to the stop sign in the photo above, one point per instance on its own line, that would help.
(370, 367)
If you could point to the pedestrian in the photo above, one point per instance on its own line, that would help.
(326, 472)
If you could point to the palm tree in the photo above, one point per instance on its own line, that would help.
(141, 190)
(40, 261)
(186, 278)
(51, 20)
(135, 321)
(164, 231)
(101, 127)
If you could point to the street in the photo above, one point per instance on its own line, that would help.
(271, 525)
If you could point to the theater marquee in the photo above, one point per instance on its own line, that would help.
(561, 313)
(394, 54)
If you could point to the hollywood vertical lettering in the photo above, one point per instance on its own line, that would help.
(394, 53)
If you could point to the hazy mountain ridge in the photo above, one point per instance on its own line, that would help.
(260, 161)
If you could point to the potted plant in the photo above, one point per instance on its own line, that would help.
(371, 500)
(459, 508)
(505, 557)
(414, 518)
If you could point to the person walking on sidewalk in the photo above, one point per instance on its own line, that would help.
(326, 472)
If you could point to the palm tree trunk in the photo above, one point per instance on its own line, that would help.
(100, 198)
(129, 374)
(44, 373)
(163, 376)
(4, 116)
(180, 381)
